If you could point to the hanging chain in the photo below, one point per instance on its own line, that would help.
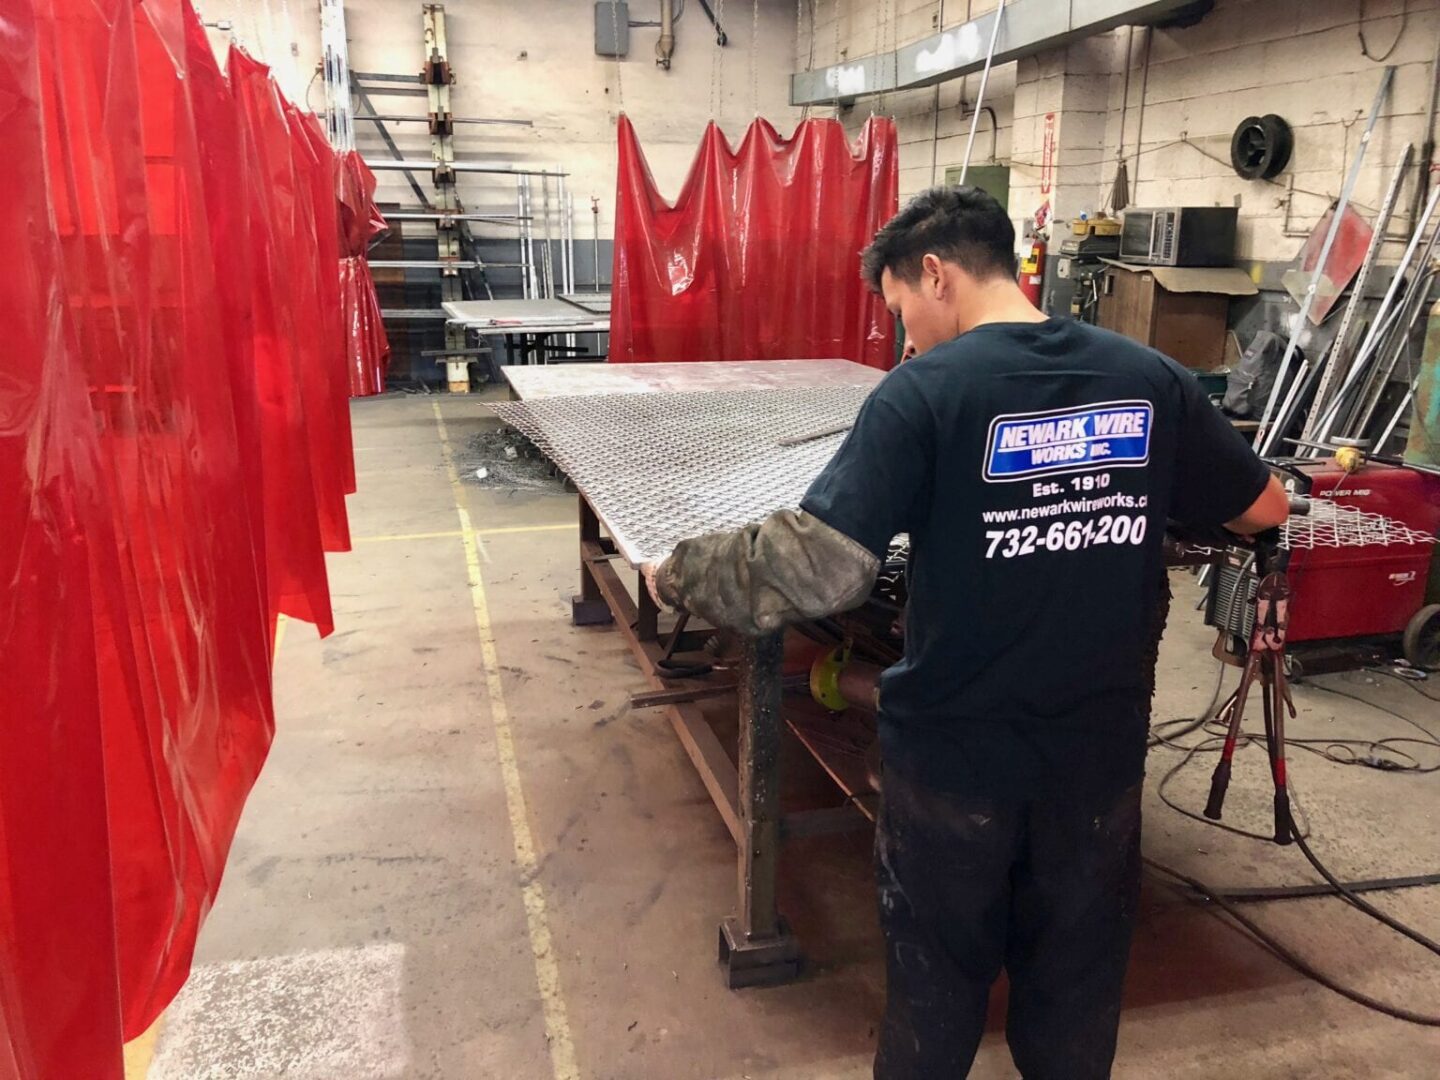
(882, 56)
(879, 43)
(836, 61)
(717, 67)
(715, 72)
(755, 57)
(615, 33)
(799, 28)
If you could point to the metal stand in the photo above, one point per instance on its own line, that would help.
(588, 607)
(1265, 657)
(756, 946)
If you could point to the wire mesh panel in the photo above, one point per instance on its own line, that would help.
(661, 468)
(1330, 525)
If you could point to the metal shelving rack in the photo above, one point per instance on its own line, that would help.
(462, 269)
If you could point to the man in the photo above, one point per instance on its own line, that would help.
(1034, 463)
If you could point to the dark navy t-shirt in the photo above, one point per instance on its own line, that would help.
(1034, 466)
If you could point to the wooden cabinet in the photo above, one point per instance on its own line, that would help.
(1180, 311)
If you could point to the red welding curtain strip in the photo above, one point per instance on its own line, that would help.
(316, 293)
(297, 578)
(59, 995)
(173, 403)
(367, 347)
(325, 185)
(757, 259)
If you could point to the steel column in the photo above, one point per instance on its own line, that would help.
(756, 946)
(448, 231)
(588, 607)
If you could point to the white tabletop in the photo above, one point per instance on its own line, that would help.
(539, 316)
(584, 380)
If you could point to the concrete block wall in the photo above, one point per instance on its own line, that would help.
(1069, 89)
(1172, 116)
(932, 124)
(1300, 59)
(537, 61)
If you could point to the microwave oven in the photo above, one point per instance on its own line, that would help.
(1179, 236)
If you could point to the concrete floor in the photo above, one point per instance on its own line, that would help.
(378, 920)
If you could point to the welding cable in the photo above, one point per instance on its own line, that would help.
(1345, 891)
(1193, 723)
(1351, 897)
(1357, 901)
(1282, 952)
(1403, 761)
(1382, 708)
(1413, 684)
(1314, 890)
(1213, 745)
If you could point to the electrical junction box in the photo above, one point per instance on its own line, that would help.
(612, 28)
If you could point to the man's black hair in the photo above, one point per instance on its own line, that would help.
(962, 225)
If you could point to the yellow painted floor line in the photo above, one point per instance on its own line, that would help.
(451, 534)
(542, 947)
(140, 1051)
(570, 526)
(445, 534)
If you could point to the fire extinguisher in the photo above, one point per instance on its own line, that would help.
(1032, 270)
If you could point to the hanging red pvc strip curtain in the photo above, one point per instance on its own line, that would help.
(172, 415)
(188, 716)
(59, 988)
(758, 257)
(298, 583)
(227, 214)
(313, 286)
(325, 184)
(367, 347)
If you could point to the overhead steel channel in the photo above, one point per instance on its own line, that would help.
(1029, 26)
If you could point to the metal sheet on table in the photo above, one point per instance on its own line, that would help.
(661, 468)
(533, 383)
(529, 312)
(540, 329)
(596, 303)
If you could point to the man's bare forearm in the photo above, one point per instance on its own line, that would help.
(789, 567)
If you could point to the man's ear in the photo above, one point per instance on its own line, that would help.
(932, 275)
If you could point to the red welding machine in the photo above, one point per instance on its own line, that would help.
(1358, 575)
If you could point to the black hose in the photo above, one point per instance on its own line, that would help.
(1355, 900)
(1260, 893)
(1285, 955)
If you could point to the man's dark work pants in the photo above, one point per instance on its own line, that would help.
(1045, 889)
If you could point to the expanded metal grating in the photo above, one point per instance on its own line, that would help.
(1330, 525)
(661, 468)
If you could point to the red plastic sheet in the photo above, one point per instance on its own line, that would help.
(59, 996)
(295, 551)
(367, 347)
(174, 454)
(758, 257)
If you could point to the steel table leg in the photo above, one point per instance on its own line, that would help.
(589, 607)
(756, 946)
(647, 625)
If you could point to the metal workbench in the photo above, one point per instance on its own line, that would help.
(766, 399)
(528, 325)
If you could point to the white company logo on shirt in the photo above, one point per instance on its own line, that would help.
(1101, 435)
